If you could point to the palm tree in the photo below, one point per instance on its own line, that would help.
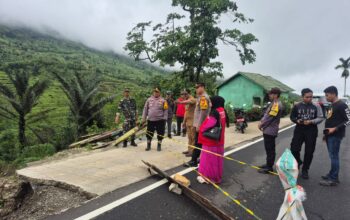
(345, 65)
(22, 98)
(82, 93)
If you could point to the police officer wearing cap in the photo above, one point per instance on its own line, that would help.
(128, 107)
(269, 125)
(201, 112)
(155, 112)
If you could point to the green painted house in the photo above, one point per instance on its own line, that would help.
(250, 89)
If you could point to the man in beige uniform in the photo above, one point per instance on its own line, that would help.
(203, 106)
(188, 121)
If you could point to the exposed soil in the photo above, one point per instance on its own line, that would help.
(24, 199)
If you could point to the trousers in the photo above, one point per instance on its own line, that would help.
(155, 126)
(179, 121)
(196, 152)
(309, 137)
(127, 126)
(191, 133)
(270, 149)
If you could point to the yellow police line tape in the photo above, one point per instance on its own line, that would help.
(219, 155)
(218, 187)
(235, 200)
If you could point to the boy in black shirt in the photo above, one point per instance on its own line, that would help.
(338, 118)
(306, 115)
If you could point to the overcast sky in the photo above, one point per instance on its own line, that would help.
(300, 42)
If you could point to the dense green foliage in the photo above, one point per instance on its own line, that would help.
(22, 98)
(84, 104)
(193, 46)
(46, 56)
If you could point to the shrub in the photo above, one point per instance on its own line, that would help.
(287, 106)
(8, 145)
(33, 153)
(95, 129)
(254, 114)
(38, 151)
(64, 136)
(7, 169)
(230, 113)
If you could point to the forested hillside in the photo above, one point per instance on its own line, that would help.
(47, 54)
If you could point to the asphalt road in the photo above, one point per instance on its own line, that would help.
(261, 193)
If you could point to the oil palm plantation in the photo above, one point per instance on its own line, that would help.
(345, 65)
(85, 103)
(22, 94)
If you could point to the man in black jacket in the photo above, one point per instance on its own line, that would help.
(338, 117)
(306, 115)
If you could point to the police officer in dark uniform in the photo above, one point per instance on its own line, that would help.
(128, 107)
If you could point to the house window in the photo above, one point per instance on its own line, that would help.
(256, 100)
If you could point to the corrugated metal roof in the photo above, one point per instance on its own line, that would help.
(267, 82)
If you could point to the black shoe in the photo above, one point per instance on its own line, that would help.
(266, 170)
(328, 183)
(159, 147)
(305, 174)
(263, 166)
(183, 135)
(133, 144)
(326, 177)
(169, 136)
(176, 134)
(148, 147)
(125, 144)
(190, 164)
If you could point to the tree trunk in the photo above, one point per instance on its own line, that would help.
(21, 131)
(345, 87)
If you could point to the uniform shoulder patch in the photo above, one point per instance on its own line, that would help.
(203, 103)
(165, 106)
(274, 110)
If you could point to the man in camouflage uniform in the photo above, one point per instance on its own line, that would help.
(128, 107)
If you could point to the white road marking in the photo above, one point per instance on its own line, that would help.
(121, 201)
(155, 185)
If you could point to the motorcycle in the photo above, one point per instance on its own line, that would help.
(240, 120)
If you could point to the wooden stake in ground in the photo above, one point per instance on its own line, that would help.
(193, 195)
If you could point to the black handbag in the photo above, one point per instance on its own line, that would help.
(215, 132)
